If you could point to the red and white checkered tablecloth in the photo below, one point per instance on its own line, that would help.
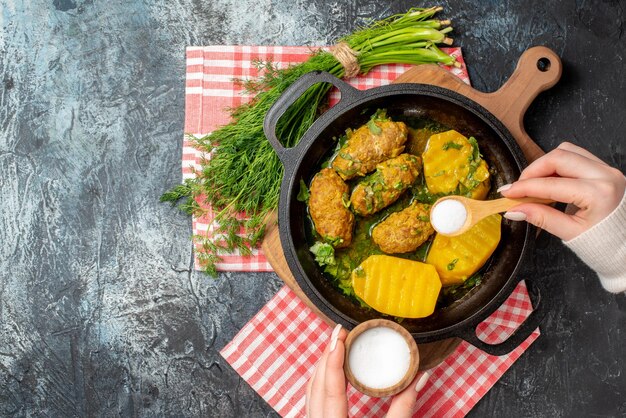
(277, 350)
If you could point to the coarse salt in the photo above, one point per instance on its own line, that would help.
(448, 216)
(379, 358)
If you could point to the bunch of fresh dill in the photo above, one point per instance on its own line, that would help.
(243, 174)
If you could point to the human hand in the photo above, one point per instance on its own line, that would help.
(326, 391)
(568, 174)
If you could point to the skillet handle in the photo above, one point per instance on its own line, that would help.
(540, 301)
(289, 97)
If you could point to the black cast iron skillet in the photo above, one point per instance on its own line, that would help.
(406, 100)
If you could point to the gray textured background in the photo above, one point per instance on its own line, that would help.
(100, 312)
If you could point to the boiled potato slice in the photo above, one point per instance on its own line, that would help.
(457, 258)
(452, 163)
(396, 286)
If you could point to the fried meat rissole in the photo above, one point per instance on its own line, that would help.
(328, 201)
(369, 145)
(404, 231)
(385, 186)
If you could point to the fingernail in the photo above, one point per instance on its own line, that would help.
(334, 336)
(504, 187)
(515, 216)
(421, 382)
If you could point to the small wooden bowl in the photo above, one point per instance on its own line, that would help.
(413, 361)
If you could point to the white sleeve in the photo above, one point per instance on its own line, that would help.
(603, 248)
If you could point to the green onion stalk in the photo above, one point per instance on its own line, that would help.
(243, 173)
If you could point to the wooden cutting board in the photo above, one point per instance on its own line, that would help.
(538, 69)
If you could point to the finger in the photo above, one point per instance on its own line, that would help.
(559, 189)
(316, 400)
(403, 403)
(564, 164)
(568, 146)
(315, 407)
(336, 399)
(549, 219)
(309, 393)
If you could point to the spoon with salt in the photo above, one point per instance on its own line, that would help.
(454, 215)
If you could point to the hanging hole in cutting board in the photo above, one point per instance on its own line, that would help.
(543, 64)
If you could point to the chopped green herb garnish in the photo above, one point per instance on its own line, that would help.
(346, 156)
(375, 129)
(475, 280)
(303, 194)
(380, 115)
(345, 199)
(333, 241)
(452, 264)
(452, 145)
(324, 253)
(476, 155)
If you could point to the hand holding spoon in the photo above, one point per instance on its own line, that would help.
(454, 215)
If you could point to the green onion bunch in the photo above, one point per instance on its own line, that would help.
(243, 174)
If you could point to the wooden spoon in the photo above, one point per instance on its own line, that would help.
(475, 211)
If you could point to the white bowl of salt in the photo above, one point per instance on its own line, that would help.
(381, 359)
